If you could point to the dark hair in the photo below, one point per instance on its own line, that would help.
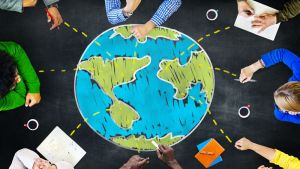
(8, 71)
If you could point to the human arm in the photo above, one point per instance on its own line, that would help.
(271, 58)
(135, 162)
(166, 154)
(26, 71)
(23, 159)
(114, 12)
(283, 56)
(50, 2)
(53, 13)
(289, 11)
(245, 144)
(282, 116)
(247, 72)
(285, 161)
(14, 98)
(11, 5)
(165, 10)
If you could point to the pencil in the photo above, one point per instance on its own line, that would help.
(206, 153)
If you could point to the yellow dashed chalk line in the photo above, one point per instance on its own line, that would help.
(189, 48)
(215, 122)
(80, 124)
(225, 71)
(75, 29)
(82, 33)
(221, 130)
(214, 32)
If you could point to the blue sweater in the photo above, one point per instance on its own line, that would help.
(293, 62)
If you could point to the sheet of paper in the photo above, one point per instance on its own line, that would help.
(245, 23)
(58, 146)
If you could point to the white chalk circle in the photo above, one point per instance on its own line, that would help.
(244, 115)
(32, 121)
(213, 12)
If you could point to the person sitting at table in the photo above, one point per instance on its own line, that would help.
(19, 83)
(287, 97)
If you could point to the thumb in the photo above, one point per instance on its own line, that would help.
(27, 102)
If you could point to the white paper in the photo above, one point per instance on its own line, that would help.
(245, 22)
(58, 146)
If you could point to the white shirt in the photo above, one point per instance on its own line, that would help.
(24, 159)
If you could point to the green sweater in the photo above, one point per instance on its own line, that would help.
(30, 80)
(290, 10)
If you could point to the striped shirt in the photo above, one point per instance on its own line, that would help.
(165, 10)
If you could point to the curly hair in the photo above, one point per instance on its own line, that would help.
(287, 96)
(8, 73)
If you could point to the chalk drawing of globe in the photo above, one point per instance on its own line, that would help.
(132, 91)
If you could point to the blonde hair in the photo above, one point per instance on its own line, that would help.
(287, 97)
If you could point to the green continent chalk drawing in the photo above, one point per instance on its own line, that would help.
(159, 32)
(182, 76)
(143, 142)
(154, 89)
(109, 74)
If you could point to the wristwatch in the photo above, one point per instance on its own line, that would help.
(126, 14)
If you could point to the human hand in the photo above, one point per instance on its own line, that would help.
(32, 99)
(141, 31)
(247, 72)
(40, 163)
(263, 21)
(29, 3)
(55, 17)
(263, 167)
(244, 9)
(243, 144)
(131, 5)
(135, 162)
(166, 154)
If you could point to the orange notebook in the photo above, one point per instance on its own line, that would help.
(214, 147)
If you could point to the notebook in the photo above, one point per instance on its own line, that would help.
(211, 145)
